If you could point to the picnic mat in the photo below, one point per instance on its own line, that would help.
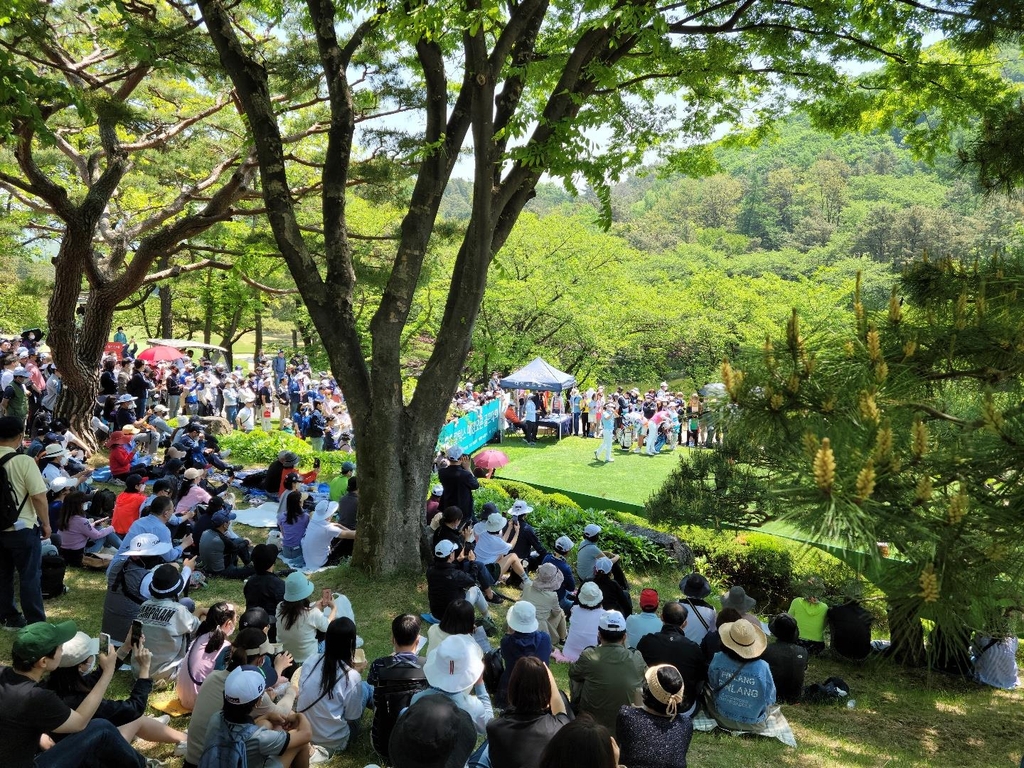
(171, 707)
(776, 726)
(263, 516)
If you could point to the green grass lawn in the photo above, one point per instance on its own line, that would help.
(902, 717)
(569, 466)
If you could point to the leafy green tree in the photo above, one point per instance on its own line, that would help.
(527, 85)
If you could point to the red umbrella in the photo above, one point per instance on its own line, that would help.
(156, 354)
(490, 459)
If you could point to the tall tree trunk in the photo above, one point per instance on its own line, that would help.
(78, 346)
(166, 312)
(259, 325)
(208, 320)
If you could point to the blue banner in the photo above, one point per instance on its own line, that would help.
(473, 430)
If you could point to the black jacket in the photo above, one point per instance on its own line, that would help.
(445, 583)
(615, 597)
(671, 646)
(459, 485)
(788, 662)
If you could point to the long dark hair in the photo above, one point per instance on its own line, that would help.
(216, 616)
(292, 610)
(293, 507)
(72, 506)
(339, 646)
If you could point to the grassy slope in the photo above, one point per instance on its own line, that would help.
(902, 718)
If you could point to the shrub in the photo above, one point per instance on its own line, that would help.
(259, 448)
(552, 517)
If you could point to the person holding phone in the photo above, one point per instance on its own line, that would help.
(28, 711)
(79, 534)
(77, 674)
(299, 620)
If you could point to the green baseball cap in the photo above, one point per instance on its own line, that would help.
(41, 639)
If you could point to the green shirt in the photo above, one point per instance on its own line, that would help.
(605, 678)
(339, 487)
(810, 618)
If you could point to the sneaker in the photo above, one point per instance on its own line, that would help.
(181, 749)
(237, 468)
(225, 453)
(163, 719)
(496, 598)
(318, 754)
(14, 623)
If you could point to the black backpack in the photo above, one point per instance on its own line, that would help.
(397, 681)
(9, 507)
(52, 578)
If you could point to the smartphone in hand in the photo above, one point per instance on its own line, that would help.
(325, 596)
(136, 633)
(105, 643)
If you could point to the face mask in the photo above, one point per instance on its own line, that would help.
(63, 460)
(92, 666)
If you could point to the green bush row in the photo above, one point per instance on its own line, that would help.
(556, 515)
(768, 568)
(259, 448)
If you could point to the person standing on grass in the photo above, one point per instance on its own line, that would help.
(458, 482)
(21, 547)
(607, 433)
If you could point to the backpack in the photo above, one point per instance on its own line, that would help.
(52, 577)
(494, 668)
(228, 748)
(103, 501)
(397, 681)
(9, 507)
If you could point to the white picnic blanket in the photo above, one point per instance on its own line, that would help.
(263, 516)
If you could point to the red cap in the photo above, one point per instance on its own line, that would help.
(648, 598)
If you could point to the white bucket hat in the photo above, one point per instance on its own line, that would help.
(520, 508)
(590, 595)
(455, 664)
(495, 522)
(522, 617)
(78, 649)
(324, 510)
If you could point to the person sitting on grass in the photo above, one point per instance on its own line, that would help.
(395, 679)
(220, 553)
(608, 676)
(211, 640)
(122, 460)
(615, 597)
(322, 542)
(454, 527)
(166, 621)
(646, 622)
(253, 648)
(293, 521)
(670, 645)
(742, 689)
(264, 589)
(298, 621)
(565, 593)
(458, 619)
(589, 553)
(701, 613)
(454, 669)
(655, 734)
(849, 625)
(283, 737)
(79, 534)
(787, 659)
(446, 583)
(543, 593)
(29, 711)
(810, 613)
(495, 550)
(128, 503)
(583, 622)
(77, 675)
(523, 638)
(536, 712)
(281, 467)
(712, 642)
(331, 692)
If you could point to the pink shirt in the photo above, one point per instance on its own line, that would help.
(80, 532)
(194, 669)
(195, 495)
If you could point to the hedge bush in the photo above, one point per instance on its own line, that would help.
(553, 517)
(768, 568)
(259, 448)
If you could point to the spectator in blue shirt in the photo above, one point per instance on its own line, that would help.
(563, 546)
(740, 680)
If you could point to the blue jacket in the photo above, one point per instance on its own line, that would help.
(745, 697)
(568, 583)
(516, 646)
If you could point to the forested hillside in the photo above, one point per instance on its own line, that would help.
(694, 268)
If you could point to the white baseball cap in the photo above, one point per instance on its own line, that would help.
(454, 453)
(564, 544)
(612, 621)
(444, 548)
(244, 684)
(592, 530)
